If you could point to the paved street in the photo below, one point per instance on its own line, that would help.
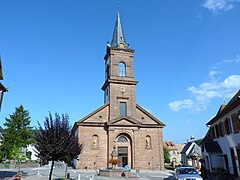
(43, 172)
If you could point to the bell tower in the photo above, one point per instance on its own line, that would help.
(119, 87)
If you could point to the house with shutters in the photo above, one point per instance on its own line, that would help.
(212, 153)
(221, 146)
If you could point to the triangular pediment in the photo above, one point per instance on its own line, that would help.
(147, 118)
(123, 121)
(99, 116)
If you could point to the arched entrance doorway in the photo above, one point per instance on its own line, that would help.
(124, 149)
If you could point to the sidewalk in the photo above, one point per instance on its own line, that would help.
(42, 173)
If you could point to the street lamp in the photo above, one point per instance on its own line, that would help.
(152, 164)
(96, 161)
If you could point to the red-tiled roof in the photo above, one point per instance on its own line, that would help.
(170, 145)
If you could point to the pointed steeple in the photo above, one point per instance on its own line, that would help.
(118, 39)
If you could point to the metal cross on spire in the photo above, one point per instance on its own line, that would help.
(118, 5)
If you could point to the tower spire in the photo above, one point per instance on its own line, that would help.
(118, 39)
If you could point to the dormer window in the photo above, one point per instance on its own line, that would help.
(121, 69)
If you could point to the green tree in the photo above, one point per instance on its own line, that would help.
(1, 130)
(17, 134)
(166, 155)
(56, 141)
(17, 154)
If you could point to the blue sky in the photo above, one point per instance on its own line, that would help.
(187, 57)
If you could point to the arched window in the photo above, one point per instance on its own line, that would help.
(122, 139)
(148, 142)
(121, 69)
(95, 142)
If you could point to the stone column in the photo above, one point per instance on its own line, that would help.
(110, 144)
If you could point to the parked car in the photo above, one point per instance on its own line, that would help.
(187, 173)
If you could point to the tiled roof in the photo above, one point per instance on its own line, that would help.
(179, 147)
(170, 145)
(221, 108)
(224, 109)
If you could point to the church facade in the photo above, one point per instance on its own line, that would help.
(120, 123)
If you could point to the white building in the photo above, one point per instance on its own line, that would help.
(33, 150)
(191, 154)
(174, 151)
(212, 153)
(225, 133)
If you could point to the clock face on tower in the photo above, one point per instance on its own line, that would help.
(122, 89)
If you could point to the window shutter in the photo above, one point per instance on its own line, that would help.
(212, 134)
(238, 121)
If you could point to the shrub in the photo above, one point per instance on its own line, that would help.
(203, 172)
(114, 161)
(169, 167)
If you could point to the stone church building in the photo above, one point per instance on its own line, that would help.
(120, 123)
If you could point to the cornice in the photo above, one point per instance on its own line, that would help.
(122, 49)
(108, 81)
(97, 124)
(109, 49)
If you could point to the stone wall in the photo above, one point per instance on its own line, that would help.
(139, 155)
(92, 157)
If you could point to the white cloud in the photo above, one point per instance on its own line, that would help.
(206, 91)
(189, 104)
(209, 90)
(235, 61)
(213, 73)
(219, 5)
(182, 104)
